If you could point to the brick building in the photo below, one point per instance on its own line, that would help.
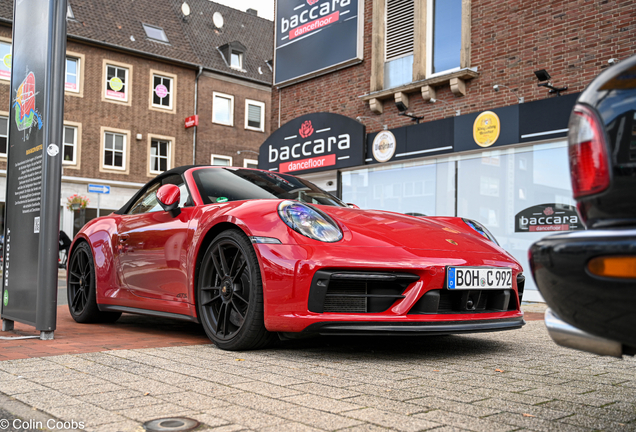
(456, 122)
(135, 71)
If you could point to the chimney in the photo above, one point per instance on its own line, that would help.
(252, 12)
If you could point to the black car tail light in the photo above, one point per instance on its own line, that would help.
(589, 167)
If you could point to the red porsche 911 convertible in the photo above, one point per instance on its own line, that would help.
(251, 253)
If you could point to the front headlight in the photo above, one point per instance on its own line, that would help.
(309, 222)
(481, 230)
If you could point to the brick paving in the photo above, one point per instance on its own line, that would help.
(516, 380)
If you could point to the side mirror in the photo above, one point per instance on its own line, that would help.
(168, 196)
(353, 206)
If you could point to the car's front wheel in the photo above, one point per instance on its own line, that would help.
(81, 288)
(230, 294)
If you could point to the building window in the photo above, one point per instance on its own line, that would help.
(114, 151)
(4, 134)
(159, 156)
(398, 66)
(69, 152)
(223, 109)
(250, 163)
(155, 33)
(71, 81)
(254, 115)
(162, 91)
(221, 160)
(236, 60)
(444, 35)
(5, 60)
(116, 83)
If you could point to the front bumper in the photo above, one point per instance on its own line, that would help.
(569, 336)
(603, 307)
(290, 271)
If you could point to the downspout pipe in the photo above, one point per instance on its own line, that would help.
(196, 106)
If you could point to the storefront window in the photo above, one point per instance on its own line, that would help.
(490, 187)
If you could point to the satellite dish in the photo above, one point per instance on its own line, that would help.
(217, 19)
(185, 8)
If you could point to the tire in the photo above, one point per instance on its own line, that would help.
(81, 290)
(230, 294)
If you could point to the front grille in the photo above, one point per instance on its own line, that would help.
(464, 301)
(356, 292)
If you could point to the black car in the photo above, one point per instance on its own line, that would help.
(588, 278)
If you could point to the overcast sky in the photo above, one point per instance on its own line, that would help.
(265, 8)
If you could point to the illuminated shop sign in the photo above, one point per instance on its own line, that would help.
(548, 218)
(314, 142)
(315, 37)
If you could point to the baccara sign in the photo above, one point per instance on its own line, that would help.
(314, 142)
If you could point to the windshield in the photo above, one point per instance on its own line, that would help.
(217, 185)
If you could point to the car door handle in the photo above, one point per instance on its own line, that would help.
(123, 238)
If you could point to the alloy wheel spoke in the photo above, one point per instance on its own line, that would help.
(223, 261)
(76, 298)
(217, 266)
(75, 275)
(238, 296)
(207, 302)
(221, 319)
(240, 271)
(238, 311)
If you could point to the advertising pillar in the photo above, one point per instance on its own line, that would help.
(34, 165)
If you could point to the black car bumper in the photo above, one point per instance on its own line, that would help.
(604, 307)
(414, 329)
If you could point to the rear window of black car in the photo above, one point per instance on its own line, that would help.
(218, 185)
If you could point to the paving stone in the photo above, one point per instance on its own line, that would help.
(392, 420)
(324, 390)
(514, 407)
(464, 421)
(267, 389)
(385, 404)
(324, 403)
(535, 424)
(291, 427)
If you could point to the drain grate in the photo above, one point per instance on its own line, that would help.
(171, 424)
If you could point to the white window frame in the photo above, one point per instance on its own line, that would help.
(430, 15)
(64, 144)
(249, 102)
(123, 151)
(127, 83)
(167, 156)
(240, 57)
(227, 158)
(78, 73)
(170, 92)
(6, 135)
(225, 96)
(249, 161)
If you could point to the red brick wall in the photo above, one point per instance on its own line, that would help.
(224, 140)
(572, 39)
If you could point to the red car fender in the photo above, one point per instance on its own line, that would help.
(101, 240)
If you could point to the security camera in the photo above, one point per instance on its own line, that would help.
(496, 87)
(613, 61)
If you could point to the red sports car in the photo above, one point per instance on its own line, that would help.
(251, 253)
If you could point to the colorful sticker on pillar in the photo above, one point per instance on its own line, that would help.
(26, 113)
(486, 129)
(5, 298)
(221, 199)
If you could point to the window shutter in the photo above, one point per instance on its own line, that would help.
(399, 28)
(254, 116)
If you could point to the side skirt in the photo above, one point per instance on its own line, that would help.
(126, 309)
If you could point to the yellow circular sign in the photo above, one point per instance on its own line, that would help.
(6, 60)
(486, 129)
(116, 84)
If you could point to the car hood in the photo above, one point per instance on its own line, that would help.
(376, 228)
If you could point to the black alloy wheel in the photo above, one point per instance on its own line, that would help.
(82, 297)
(230, 294)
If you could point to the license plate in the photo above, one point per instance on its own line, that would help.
(474, 278)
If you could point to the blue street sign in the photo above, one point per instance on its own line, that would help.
(100, 189)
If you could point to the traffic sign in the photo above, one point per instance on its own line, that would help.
(100, 189)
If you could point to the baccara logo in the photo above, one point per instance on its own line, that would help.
(548, 218)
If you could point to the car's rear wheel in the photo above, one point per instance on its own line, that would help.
(230, 294)
(81, 288)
